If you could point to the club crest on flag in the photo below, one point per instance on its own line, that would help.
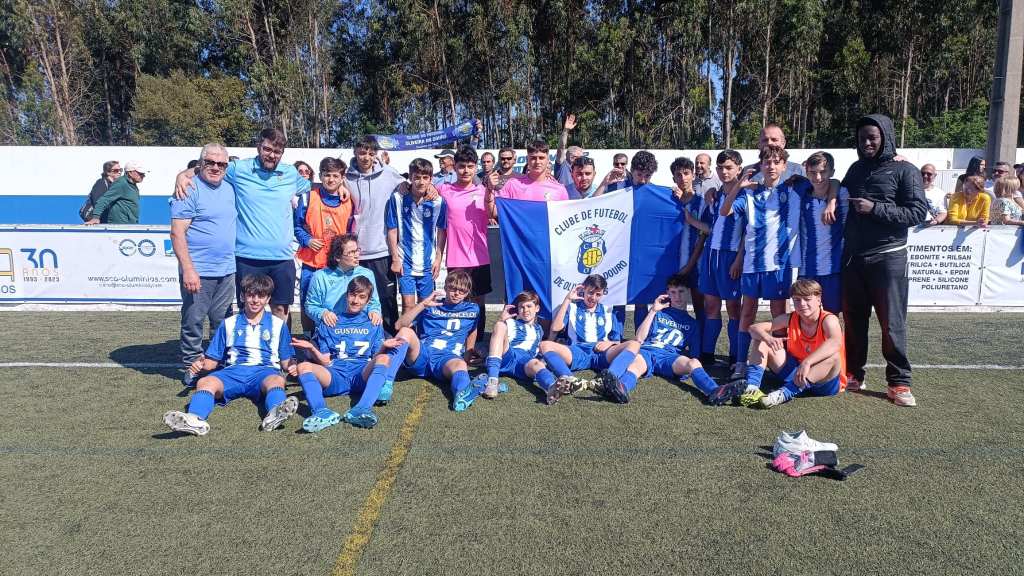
(387, 143)
(592, 249)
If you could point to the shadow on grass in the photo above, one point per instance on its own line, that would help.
(168, 352)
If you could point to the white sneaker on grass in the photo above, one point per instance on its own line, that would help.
(280, 413)
(773, 399)
(800, 442)
(185, 422)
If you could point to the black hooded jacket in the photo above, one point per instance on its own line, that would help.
(896, 189)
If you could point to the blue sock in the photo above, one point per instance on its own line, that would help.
(628, 380)
(703, 381)
(460, 381)
(621, 363)
(789, 390)
(373, 386)
(712, 330)
(201, 404)
(639, 314)
(274, 397)
(313, 390)
(702, 319)
(734, 331)
(743, 343)
(397, 356)
(556, 364)
(545, 378)
(493, 365)
(754, 375)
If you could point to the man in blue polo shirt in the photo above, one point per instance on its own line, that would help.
(264, 188)
(203, 238)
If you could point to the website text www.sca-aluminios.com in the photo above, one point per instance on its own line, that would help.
(133, 281)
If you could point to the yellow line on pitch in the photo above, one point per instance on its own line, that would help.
(366, 519)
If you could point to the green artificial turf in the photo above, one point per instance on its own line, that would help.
(93, 483)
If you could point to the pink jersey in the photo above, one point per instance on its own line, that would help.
(523, 188)
(467, 225)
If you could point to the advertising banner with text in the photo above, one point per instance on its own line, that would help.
(85, 264)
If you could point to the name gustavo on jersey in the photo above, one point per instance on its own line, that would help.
(342, 331)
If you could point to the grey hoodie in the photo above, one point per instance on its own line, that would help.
(370, 195)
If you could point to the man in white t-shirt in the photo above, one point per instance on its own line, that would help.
(938, 201)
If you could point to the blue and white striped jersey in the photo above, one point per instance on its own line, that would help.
(772, 232)
(446, 327)
(523, 336)
(586, 327)
(822, 245)
(238, 343)
(353, 339)
(725, 232)
(690, 236)
(417, 226)
(673, 330)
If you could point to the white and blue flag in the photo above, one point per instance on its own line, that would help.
(630, 237)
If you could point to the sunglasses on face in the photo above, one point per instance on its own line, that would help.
(507, 159)
(221, 165)
(115, 171)
(620, 164)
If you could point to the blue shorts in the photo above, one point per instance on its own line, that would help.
(584, 358)
(305, 276)
(346, 376)
(421, 286)
(514, 362)
(767, 285)
(659, 361)
(282, 272)
(831, 291)
(430, 363)
(789, 389)
(243, 381)
(714, 275)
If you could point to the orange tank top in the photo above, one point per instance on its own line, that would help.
(800, 346)
(324, 222)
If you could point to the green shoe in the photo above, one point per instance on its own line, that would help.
(751, 398)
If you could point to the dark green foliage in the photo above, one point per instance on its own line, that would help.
(639, 73)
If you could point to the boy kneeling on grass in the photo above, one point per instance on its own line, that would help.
(352, 357)
(445, 321)
(810, 358)
(661, 340)
(254, 347)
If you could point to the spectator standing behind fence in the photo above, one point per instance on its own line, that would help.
(1005, 210)
(976, 167)
(120, 203)
(111, 172)
(886, 199)
(938, 201)
(566, 157)
(203, 238)
(970, 206)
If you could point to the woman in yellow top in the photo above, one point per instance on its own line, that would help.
(971, 205)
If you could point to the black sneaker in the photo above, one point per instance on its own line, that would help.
(613, 387)
(727, 392)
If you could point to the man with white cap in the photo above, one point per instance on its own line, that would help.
(446, 160)
(120, 204)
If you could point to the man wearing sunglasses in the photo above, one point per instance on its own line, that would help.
(203, 238)
(264, 190)
(120, 204)
(506, 168)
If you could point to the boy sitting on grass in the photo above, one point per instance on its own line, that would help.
(810, 358)
(254, 347)
(661, 340)
(350, 357)
(592, 331)
(514, 347)
(445, 322)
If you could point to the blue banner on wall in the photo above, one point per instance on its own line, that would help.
(427, 139)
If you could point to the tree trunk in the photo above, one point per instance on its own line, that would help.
(767, 82)
(906, 93)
